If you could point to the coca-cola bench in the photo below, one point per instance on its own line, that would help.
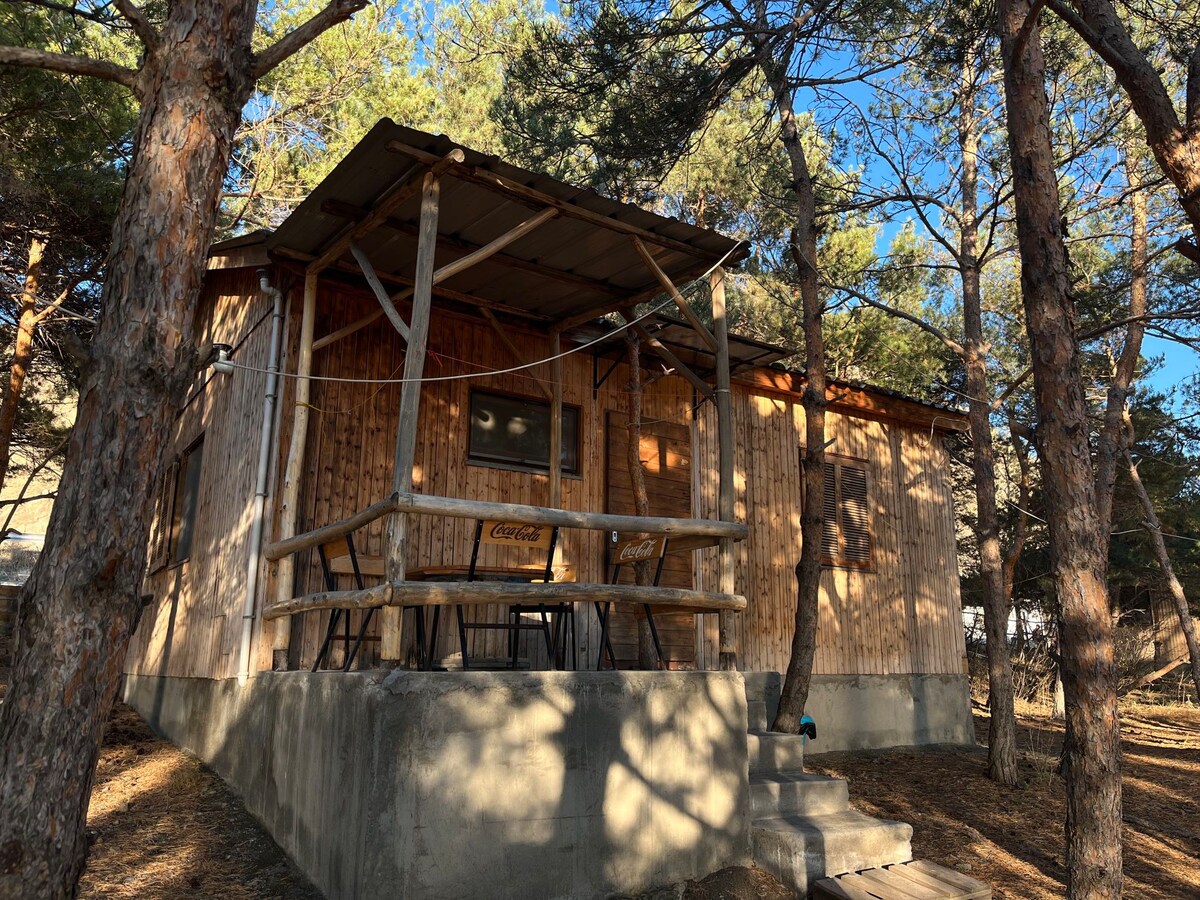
(644, 549)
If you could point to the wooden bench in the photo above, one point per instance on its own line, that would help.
(916, 880)
(628, 550)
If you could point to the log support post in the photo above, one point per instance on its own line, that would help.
(725, 496)
(289, 507)
(391, 645)
(556, 421)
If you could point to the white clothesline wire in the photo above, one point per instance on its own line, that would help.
(493, 372)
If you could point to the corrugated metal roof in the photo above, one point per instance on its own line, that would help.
(682, 340)
(564, 267)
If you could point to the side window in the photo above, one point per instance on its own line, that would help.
(515, 431)
(846, 540)
(183, 507)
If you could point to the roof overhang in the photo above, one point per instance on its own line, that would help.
(581, 262)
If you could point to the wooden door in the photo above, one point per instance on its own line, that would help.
(666, 457)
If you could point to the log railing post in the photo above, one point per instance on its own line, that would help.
(556, 421)
(725, 496)
(391, 641)
(289, 507)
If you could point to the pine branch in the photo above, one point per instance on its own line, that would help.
(140, 24)
(336, 12)
(68, 65)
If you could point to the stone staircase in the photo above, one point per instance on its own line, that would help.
(802, 825)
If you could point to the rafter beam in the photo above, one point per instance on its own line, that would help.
(350, 211)
(673, 292)
(673, 361)
(385, 206)
(506, 186)
(381, 294)
(445, 272)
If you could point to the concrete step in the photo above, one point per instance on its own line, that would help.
(756, 715)
(772, 752)
(799, 850)
(810, 795)
(762, 685)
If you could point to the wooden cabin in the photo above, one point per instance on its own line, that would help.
(437, 311)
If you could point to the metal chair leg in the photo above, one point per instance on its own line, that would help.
(329, 632)
(362, 631)
(462, 635)
(662, 662)
(602, 612)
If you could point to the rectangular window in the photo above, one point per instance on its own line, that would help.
(846, 540)
(515, 431)
(183, 508)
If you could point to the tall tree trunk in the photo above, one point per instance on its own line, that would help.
(1111, 442)
(22, 352)
(1175, 143)
(1174, 588)
(1002, 726)
(647, 658)
(794, 695)
(1092, 744)
(1024, 495)
(83, 600)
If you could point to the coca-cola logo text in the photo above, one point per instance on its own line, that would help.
(633, 551)
(511, 531)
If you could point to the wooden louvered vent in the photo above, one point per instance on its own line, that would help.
(846, 539)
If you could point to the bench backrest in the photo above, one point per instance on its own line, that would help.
(516, 534)
(639, 549)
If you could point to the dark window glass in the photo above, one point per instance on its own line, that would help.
(187, 492)
(515, 431)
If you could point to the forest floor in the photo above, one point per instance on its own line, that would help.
(1013, 839)
(163, 825)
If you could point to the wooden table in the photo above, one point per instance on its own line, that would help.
(530, 573)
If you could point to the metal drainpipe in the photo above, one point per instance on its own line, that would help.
(260, 484)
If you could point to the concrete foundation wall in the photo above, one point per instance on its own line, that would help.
(870, 712)
(439, 785)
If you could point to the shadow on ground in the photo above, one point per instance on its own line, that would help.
(1013, 839)
(163, 825)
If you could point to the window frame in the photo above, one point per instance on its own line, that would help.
(515, 465)
(840, 561)
(180, 506)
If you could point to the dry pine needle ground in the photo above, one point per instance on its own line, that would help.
(164, 826)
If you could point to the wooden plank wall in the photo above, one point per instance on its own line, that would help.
(666, 453)
(900, 616)
(352, 436)
(193, 625)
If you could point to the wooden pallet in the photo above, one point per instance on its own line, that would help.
(916, 880)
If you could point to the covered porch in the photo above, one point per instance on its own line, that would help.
(443, 290)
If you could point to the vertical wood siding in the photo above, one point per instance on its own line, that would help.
(192, 627)
(900, 616)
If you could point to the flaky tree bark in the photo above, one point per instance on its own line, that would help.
(796, 682)
(1170, 580)
(82, 602)
(1092, 746)
(647, 658)
(1111, 441)
(1173, 140)
(22, 352)
(1002, 729)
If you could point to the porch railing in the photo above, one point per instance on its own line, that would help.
(429, 593)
